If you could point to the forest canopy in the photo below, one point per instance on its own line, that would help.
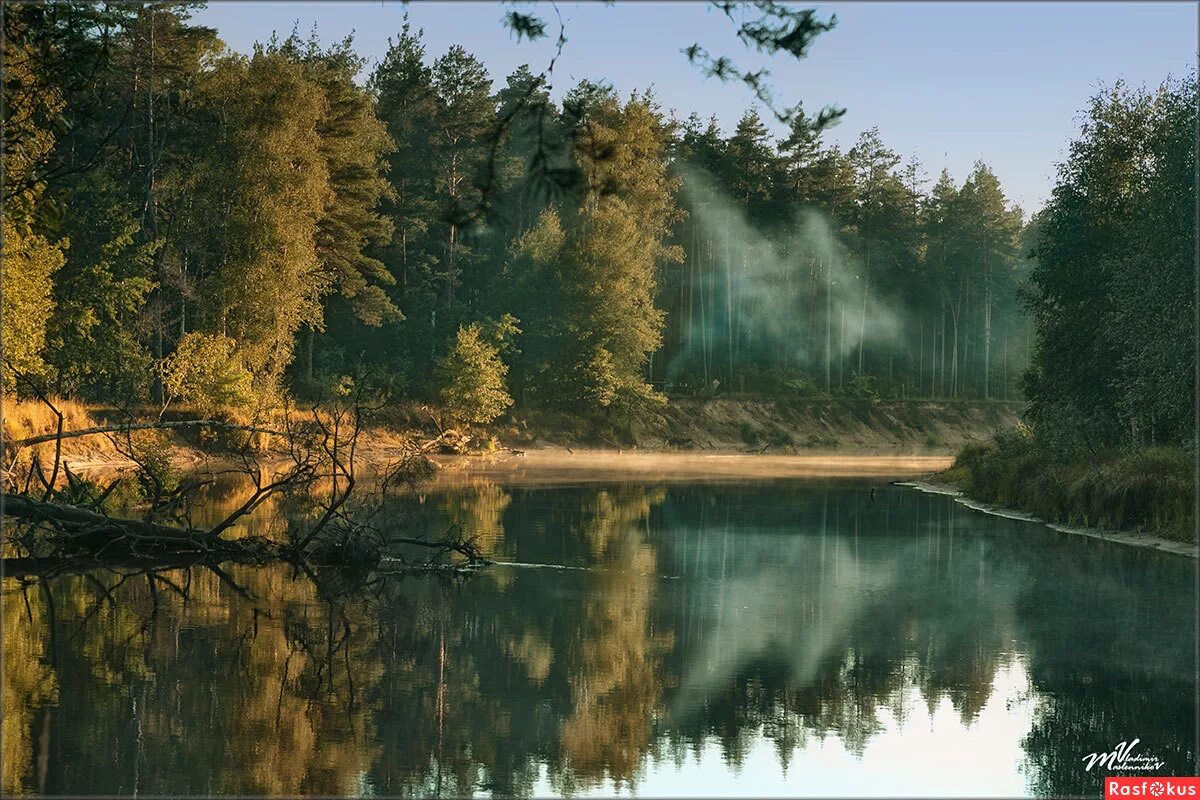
(289, 219)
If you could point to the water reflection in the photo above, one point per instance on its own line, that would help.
(805, 638)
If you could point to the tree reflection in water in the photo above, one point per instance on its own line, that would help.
(728, 614)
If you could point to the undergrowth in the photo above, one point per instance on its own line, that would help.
(1150, 489)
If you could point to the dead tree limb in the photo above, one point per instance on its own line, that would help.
(140, 426)
(76, 518)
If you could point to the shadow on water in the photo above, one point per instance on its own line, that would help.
(811, 636)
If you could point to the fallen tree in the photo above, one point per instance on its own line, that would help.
(29, 441)
(51, 526)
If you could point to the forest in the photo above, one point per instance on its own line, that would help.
(202, 227)
(192, 227)
(240, 290)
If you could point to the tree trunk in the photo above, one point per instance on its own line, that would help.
(862, 328)
(842, 348)
(729, 295)
(921, 356)
(828, 320)
(310, 336)
(987, 334)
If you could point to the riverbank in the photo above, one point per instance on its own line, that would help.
(1132, 538)
(1139, 492)
(557, 466)
(742, 424)
(822, 430)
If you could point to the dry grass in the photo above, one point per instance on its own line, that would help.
(25, 418)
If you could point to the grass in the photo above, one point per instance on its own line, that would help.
(27, 418)
(1147, 489)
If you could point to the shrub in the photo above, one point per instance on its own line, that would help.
(206, 371)
(748, 433)
(155, 474)
(1150, 489)
(862, 387)
(776, 382)
(472, 379)
(779, 437)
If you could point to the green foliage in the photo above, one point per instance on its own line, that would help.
(32, 110)
(1112, 288)
(1142, 488)
(471, 378)
(777, 28)
(206, 371)
(779, 382)
(824, 442)
(116, 498)
(862, 387)
(265, 280)
(598, 246)
(30, 262)
(354, 144)
(778, 437)
(156, 476)
(94, 345)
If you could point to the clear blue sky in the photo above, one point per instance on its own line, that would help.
(948, 82)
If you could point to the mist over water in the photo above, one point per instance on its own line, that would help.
(776, 301)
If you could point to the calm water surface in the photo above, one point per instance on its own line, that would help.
(797, 638)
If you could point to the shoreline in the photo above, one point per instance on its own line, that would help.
(554, 466)
(1130, 538)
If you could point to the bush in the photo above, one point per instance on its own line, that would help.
(206, 371)
(748, 433)
(778, 437)
(1148, 489)
(472, 379)
(862, 387)
(775, 382)
(155, 474)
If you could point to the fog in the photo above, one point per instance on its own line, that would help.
(779, 302)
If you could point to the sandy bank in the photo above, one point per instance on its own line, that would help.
(549, 466)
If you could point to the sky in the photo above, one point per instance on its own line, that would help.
(948, 83)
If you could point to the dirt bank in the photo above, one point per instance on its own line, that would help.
(824, 434)
(1132, 538)
(752, 425)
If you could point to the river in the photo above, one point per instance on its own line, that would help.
(801, 636)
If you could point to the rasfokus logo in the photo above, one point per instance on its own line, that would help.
(1122, 759)
(1152, 788)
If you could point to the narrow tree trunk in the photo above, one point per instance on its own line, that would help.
(921, 356)
(1005, 389)
(842, 348)
(987, 334)
(942, 358)
(828, 320)
(729, 296)
(310, 336)
(862, 328)
(705, 316)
